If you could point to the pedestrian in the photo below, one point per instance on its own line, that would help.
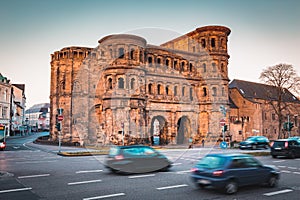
(190, 143)
(203, 142)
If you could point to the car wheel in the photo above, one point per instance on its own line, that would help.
(273, 181)
(231, 187)
(254, 147)
(292, 154)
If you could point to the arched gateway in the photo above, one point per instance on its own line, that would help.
(183, 130)
(159, 129)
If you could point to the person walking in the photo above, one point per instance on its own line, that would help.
(203, 142)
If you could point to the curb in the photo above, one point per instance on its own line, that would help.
(84, 153)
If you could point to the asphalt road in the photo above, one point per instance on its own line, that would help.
(41, 174)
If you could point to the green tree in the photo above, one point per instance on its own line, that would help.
(285, 80)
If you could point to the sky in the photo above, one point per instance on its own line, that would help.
(263, 32)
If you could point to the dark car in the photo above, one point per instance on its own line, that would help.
(286, 147)
(228, 172)
(255, 142)
(136, 159)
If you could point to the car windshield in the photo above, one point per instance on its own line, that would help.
(251, 139)
(211, 162)
(138, 151)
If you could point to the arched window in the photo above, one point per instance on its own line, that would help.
(175, 90)
(204, 67)
(109, 82)
(223, 91)
(131, 54)
(191, 94)
(158, 61)
(111, 53)
(150, 60)
(214, 90)
(222, 68)
(167, 90)
(167, 62)
(150, 88)
(203, 43)
(213, 42)
(159, 89)
(175, 64)
(121, 83)
(132, 83)
(191, 67)
(214, 68)
(183, 91)
(121, 52)
(182, 66)
(204, 92)
(194, 49)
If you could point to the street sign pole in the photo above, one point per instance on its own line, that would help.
(59, 141)
(122, 133)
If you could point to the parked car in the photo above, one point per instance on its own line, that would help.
(136, 159)
(2, 144)
(255, 142)
(228, 172)
(286, 147)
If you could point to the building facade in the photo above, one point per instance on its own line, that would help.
(128, 91)
(5, 103)
(252, 114)
(18, 106)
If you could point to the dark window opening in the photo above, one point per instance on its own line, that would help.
(203, 43)
(214, 91)
(204, 92)
(191, 94)
(167, 62)
(150, 88)
(167, 90)
(175, 91)
(121, 83)
(183, 91)
(132, 83)
(213, 42)
(121, 52)
(159, 89)
(182, 67)
(150, 60)
(110, 83)
(132, 54)
(214, 67)
(194, 49)
(191, 67)
(158, 61)
(222, 68)
(175, 64)
(204, 67)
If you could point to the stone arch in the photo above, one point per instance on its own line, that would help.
(183, 130)
(159, 127)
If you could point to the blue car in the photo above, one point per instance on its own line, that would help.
(228, 172)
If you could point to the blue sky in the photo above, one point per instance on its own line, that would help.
(263, 32)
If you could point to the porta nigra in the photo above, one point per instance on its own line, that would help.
(126, 88)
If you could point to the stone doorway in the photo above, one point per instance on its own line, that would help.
(183, 130)
(159, 129)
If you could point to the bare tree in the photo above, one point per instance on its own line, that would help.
(284, 79)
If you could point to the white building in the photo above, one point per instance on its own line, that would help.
(38, 117)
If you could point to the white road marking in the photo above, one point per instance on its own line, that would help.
(34, 162)
(15, 190)
(141, 176)
(282, 166)
(183, 172)
(176, 164)
(278, 161)
(84, 182)
(296, 173)
(285, 171)
(277, 192)
(89, 171)
(34, 176)
(171, 187)
(292, 167)
(105, 196)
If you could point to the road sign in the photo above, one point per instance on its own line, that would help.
(223, 145)
(222, 122)
(60, 117)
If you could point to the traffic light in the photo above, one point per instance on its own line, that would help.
(58, 126)
(224, 128)
(288, 126)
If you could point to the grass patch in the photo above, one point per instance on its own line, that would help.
(83, 153)
(262, 153)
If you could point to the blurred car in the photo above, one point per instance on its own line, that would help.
(2, 144)
(136, 159)
(255, 142)
(286, 147)
(228, 172)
